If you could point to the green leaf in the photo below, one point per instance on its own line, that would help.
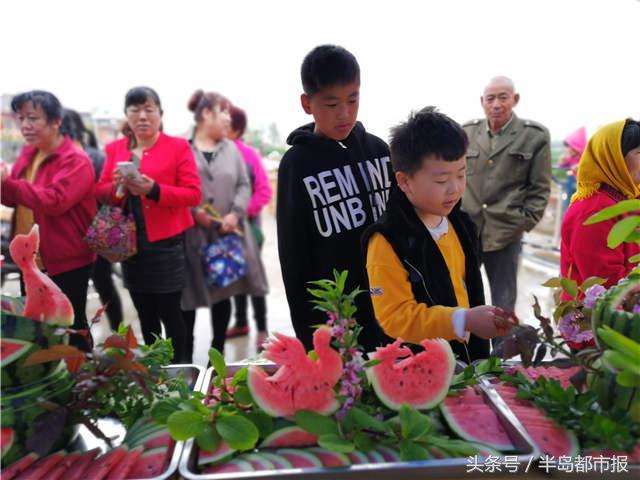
(185, 424)
(335, 443)
(242, 395)
(410, 451)
(570, 287)
(364, 442)
(413, 423)
(315, 423)
(635, 258)
(622, 230)
(262, 421)
(628, 379)
(372, 363)
(217, 361)
(312, 355)
(240, 376)
(208, 439)
(239, 432)
(552, 282)
(162, 409)
(619, 208)
(363, 420)
(591, 281)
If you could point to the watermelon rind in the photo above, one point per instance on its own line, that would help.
(386, 371)
(219, 455)
(388, 454)
(258, 461)
(235, 465)
(358, 458)
(278, 461)
(330, 459)
(7, 435)
(293, 436)
(485, 450)
(292, 453)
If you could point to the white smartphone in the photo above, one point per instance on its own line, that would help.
(129, 170)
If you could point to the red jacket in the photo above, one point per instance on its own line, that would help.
(171, 164)
(584, 248)
(61, 197)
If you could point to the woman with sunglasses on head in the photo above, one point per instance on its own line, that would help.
(160, 198)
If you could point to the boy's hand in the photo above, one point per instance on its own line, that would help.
(488, 322)
(202, 218)
(229, 223)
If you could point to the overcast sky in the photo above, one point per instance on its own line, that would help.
(574, 62)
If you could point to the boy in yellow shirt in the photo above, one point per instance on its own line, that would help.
(422, 254)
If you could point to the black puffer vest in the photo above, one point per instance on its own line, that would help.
(426, 268)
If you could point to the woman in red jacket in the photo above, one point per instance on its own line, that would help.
(609, 172)
(50, 185)
(160, 200)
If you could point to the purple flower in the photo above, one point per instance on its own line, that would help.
(592, 294)
(636, 308)
(569, 327)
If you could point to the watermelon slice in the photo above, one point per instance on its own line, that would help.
(122, 469)
(475, 421)
(161, 439)
(563, 375)
(549, 437)
(45, 301)
(330, 459)
(42, 467)
(421, 381)
(375, 457)
(257, 461)
(11, 349)
(278, 461)
(101, 467)
(300, 458)
(388, 454)
(300, 383)
(357, 458)
(59, 470)
(76, 471)
(232, 466)
(18, 467)
(7, 437)
(220, 454)
(150, 464)
(292, 436)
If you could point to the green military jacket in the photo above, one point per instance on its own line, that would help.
(508, 183)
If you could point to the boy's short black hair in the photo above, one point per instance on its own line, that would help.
(426, 133)
(630, 136)
(328, 65)
(47, 101)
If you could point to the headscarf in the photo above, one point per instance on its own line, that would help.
(603, 162)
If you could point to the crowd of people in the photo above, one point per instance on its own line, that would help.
(412, 222)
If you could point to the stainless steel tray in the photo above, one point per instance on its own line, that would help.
(454, 468)
(85, 440)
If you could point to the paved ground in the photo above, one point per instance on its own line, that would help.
(531, 275)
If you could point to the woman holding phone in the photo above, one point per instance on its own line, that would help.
(160, 189)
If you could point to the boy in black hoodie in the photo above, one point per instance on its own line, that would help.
(332, 184)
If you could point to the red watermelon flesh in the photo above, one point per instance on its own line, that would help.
(233, 466)
(150, 464)
(292, 436)
(222, 452)
(45, 301)
(77, 469)
(159, 440)
(300, 383)
(420, 380)
(375, 457)
(550, 438)
(18, 467)
(60, 469)
(357, 458)
(12, 349)
(101, 466)
(388, 454)
(6, 439)
(122, 469)
(474, 420)
(278, 461)
(563, 375)
(42, 467)
(300, 458)
(330, 459)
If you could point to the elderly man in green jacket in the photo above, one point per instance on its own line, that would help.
(508, 184)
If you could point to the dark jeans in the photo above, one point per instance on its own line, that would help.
(502, 271)
(109, 296)
(220, 316)
(74, 284)
(259, 305)
(153, 308)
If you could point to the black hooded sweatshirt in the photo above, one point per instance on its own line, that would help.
(329, 192)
